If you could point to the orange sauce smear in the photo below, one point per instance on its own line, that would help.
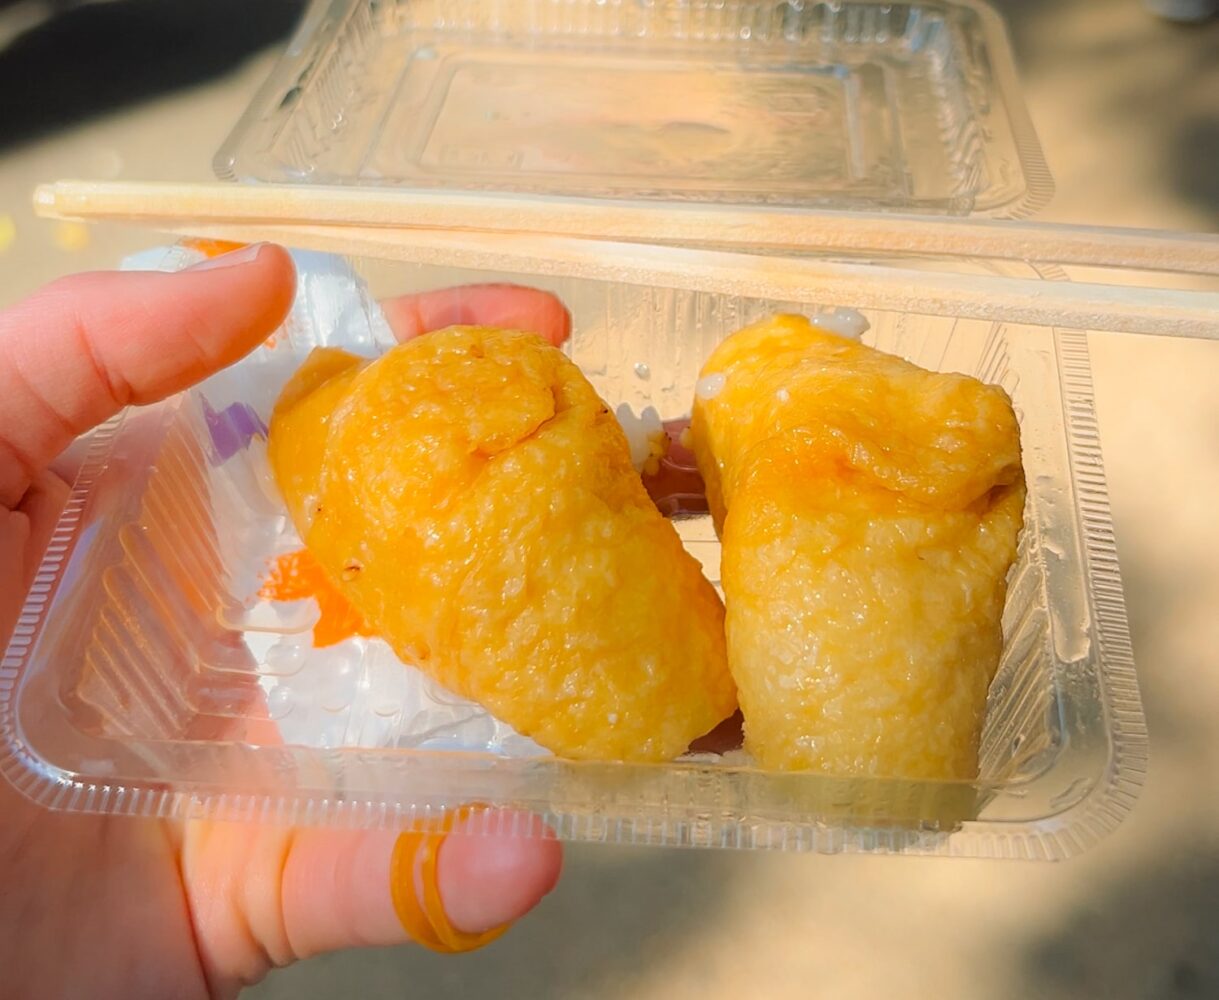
(296, 576)
(212, 248)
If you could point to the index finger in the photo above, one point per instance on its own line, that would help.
(509, 307)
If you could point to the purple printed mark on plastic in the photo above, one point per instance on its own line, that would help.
(232, 429)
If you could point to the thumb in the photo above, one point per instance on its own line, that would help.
(82, 348)
(268, 897)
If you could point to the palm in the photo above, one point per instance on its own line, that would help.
(80, 871)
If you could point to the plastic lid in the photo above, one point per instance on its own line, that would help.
(910, 107)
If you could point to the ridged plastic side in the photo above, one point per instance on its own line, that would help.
(1114, 795)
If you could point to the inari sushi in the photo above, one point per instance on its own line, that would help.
(869, 513)
(474, 500)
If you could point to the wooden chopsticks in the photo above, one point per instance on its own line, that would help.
(157, 204)
(629, 242)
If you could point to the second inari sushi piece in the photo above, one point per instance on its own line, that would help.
(474, 499)
(869, 513)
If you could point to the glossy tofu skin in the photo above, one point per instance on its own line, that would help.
(869, 512)
(474, 499)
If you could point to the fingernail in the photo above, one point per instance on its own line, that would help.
(245, 255)
(415, 888)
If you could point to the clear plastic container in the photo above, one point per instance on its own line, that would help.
(147, 677)
(839, 104)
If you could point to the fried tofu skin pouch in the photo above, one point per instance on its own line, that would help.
(869, 513)
(475, 501)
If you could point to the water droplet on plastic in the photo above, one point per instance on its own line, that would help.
(642, 370)
(280, 702)
(710, 386)
(284, 658)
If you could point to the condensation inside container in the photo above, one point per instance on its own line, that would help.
(216, 660)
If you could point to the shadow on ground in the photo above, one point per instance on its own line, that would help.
(102, 57)
(1151, 935)
(615, 915)
(1144, 63)
(1195, 156)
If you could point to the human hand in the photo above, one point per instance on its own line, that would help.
(114, 906)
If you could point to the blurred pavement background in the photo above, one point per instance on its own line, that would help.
(1127, 108)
